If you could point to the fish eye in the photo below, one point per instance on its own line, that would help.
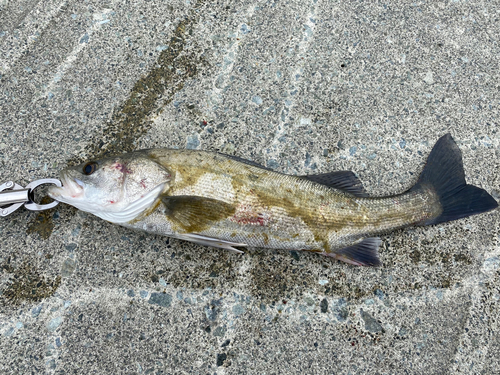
(89, 168)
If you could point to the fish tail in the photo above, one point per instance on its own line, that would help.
(444, 174)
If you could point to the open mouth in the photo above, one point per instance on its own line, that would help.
(71, 188)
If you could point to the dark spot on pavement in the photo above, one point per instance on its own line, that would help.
(221, 358)
(371, 324)
(324, 305)
(43, 223)
(27, 284)
(160, 299)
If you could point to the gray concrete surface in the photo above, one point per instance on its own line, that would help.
(300, 86)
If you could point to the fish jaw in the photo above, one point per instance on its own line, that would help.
(71, 189)
(78, 194)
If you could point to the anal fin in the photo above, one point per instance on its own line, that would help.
(210, 241)
(363, 253)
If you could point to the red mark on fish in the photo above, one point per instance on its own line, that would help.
(121, 167)
(247, 216)
(258, 220)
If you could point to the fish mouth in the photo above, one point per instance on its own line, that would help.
(72, 188)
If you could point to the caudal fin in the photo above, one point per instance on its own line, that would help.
(444, 173)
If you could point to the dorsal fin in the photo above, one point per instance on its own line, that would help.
(342, 180)
(245, 161)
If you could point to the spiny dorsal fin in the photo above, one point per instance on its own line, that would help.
(342, 180)
(364, 253)
(245, 161)
(194, 214)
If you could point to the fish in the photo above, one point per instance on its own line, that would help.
(227, 202)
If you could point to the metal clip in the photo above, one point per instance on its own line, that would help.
(17, 196)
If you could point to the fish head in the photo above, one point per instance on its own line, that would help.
(116, 189)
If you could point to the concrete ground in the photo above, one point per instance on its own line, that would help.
(303, 87)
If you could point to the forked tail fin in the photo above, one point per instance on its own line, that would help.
(444, 173)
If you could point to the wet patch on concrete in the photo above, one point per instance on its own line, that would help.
(43, 224)
(274, 276)
(26, 284)
(207, 269)
(151, 93)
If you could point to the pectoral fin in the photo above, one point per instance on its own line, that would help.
(209, 241)
(194, 214)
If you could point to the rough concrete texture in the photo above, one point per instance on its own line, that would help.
(303, 87)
